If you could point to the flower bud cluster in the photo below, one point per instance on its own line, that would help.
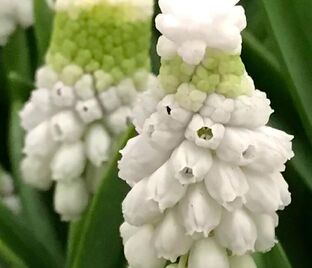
(205, 169)
(13, 14)
(7, 193)
(84, 98)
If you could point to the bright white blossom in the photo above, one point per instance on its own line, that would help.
(84, 97)
(13, 14)
(205, 169)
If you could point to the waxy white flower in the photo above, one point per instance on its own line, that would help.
(85, 96)
(205, 170)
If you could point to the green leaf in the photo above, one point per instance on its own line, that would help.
(95, 240)
(33, 207)
(9, 257)
(296, 53)
(43, 26)
(18, 240)
(276, 258)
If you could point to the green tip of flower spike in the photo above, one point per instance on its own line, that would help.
(218, 72)
(101, 37)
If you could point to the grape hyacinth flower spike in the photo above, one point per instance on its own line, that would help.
(205, 170)
(13, 14)
(97, 63)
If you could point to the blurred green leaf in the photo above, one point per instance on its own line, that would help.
(16, 236)
(95, 240)
(9, 258)
(276, 258)
(296, 53)
(43, 26)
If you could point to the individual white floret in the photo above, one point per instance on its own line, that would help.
(190, 164)
(66, 127)
(119, 119)
(68, 162)
(97, 144)
(237, 232)
(126, 91)
(139, 250)
(71, 199)
(110, 99)
(170, 239)
(36, 172)
(89, 110)
(46, 77)
(31, 116)
(245, 261)
(227, 184)
(84, 87)
(63, 96)
(164, 189)
(13, 203)
(204, 132)
(166, 49)
(127, 231)
(207, 253)
(200, 214)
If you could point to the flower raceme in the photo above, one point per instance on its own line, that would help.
(96, 65)
(13, 14)
(205, 170)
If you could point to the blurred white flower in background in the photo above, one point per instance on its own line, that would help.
(14, 14)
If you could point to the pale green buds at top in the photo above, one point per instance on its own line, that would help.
(104, 35)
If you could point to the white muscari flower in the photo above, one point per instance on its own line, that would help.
(14, 14)
(84, 98)
(205, 170)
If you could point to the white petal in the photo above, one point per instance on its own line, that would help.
(110, 100)
(84, 87)
(170, 239)
(238, 146)
(118, 120)
(237, 232)
(127, 231)
(63, 96)
(190, 163)
(164, 188)
(140, 159)
(266, 231)
(160, 134)
(206, 253)
(66, 127)
(89, 110)
(39, 141)
(245, 261)
(36, 172)
(204, 132)
(273, 150)
(137, 208)
(251, 111)
(139, 250)
(97, 144)
(68, 162)
(46, 77)
(227, 184)
(282, 187)
(199, 212)
(263, 195)
(218, 108)
(31, 116)
(173, 114)
(71, 199)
